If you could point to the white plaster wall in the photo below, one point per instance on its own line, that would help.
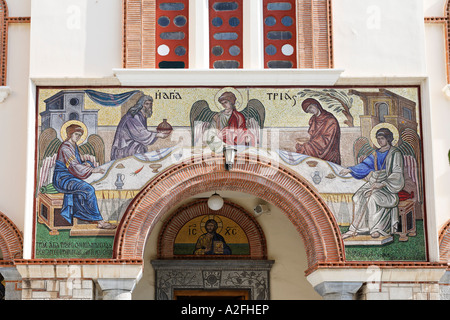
(439, 112)
(379, 37)
(434, 8)
(13, 118)
(19, 8)
(75, 38)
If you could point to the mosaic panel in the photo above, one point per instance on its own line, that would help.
(359, 147)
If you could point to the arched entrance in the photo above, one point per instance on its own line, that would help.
(214, 254)
(271, 182)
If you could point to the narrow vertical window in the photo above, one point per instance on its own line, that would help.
(280, 37)
(172, 34)
(225, 34)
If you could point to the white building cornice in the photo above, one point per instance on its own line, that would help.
(186, 77)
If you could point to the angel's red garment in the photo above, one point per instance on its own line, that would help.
(232, 128)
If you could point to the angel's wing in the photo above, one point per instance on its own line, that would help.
(255, 115)
(48, 147)
(48, 144)
(93, 149)
(410, 148)
(361, 149)
(200, 117)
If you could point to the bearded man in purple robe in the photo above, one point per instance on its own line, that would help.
(132, 136)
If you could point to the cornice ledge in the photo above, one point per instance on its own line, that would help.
(74, 81)
(4, 93)
(382, 80)
(384, 271)
(189, 77)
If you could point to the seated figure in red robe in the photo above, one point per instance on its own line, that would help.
(324, 132)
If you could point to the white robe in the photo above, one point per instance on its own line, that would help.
(377, 211)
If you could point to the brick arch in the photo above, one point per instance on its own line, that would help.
(11, 241)
(255, 235)
(444, 243)
(273, 183)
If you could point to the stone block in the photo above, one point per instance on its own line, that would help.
(27, 294)
(376, 296)
(44, 295)
(65, 288)
(83, 294)
(400, 293)
(435, 296)
(37, 284)
(430, 287)
(62, 271)
(52, 285)
(76, 284)
(421, 296)
(87, 284)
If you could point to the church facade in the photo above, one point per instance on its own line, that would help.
(203, 149)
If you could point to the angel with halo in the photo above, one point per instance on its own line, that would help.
(228, 126)
(376, 202)
(67, 165)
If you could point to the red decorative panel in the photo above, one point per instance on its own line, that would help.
(172, 34)
(280, 37)
(225, 34)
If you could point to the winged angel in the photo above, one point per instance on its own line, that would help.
(68, 165)
(375, 203)
(228, 126)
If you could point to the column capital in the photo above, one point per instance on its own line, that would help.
(117, 289)
(120, 287)
(338, 290)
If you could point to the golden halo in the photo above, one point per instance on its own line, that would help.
(240, 103)
(389, 126)
(213, 217)
(68, 123)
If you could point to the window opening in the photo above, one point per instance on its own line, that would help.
(172, 34)
(225, 34)
(280, 35)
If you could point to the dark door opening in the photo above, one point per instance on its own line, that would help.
(211, 295)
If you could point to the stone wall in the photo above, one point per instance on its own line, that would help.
(58, 289)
